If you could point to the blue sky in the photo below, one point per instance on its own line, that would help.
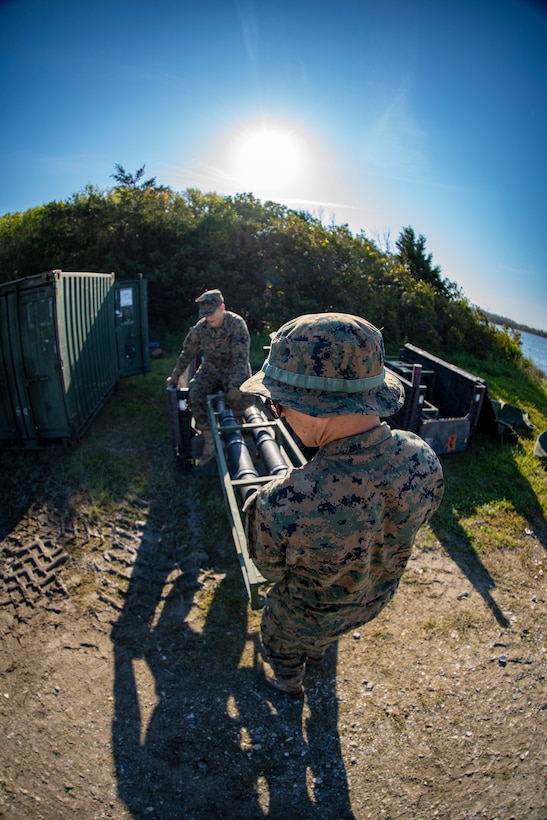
(377, 115)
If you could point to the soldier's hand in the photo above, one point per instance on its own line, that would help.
(234, 395)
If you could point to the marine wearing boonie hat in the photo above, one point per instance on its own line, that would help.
(328, 364)
(209, 301)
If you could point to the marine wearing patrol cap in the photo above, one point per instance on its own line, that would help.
(328, 364)
(209, 302)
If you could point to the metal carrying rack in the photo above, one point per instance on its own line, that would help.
(250, 452)
(251, 449)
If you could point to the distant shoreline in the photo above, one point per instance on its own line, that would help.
(502, 320)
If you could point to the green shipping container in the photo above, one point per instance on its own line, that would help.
(65, 341)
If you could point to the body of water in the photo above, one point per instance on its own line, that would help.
(535, 348)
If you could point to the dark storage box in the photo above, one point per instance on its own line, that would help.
(443, 403)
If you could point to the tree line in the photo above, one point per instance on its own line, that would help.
(271, 263)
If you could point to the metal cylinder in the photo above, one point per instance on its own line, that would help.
(265, 442)
(239, 458)
(240, 462)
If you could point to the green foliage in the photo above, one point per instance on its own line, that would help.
(125, 179)
(412, 255)
(271, 262)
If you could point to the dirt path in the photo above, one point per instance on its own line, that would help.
(127, 685)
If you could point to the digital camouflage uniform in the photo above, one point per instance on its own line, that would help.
(225, 362)
(335, 535)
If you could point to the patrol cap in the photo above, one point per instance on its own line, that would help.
(209, 301)
(328, 364)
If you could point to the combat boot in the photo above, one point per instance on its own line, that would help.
(208, 448)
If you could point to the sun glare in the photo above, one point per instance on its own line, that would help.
(276, 159)
(268, 159)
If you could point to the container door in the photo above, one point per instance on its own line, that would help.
(131, 299)
(16, 425)
(41, 362)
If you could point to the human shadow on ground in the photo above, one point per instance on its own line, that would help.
(511, 486)
(218, 742)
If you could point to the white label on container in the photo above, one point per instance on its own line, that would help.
(126, 297)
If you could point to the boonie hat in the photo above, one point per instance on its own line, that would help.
(209, 301)
(328, 364)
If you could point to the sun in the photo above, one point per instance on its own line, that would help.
(273, 158)
(268, 158)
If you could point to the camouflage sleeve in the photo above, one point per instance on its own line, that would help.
(264, 548)
(190, 350)
(241, 344)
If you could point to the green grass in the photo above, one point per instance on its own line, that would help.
(518, 383)
(496, 490)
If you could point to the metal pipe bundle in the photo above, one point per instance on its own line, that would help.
(265, 443)
(238, 457)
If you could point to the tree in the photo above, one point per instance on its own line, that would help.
(412, 255)
(270, 262)
(133, 181)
